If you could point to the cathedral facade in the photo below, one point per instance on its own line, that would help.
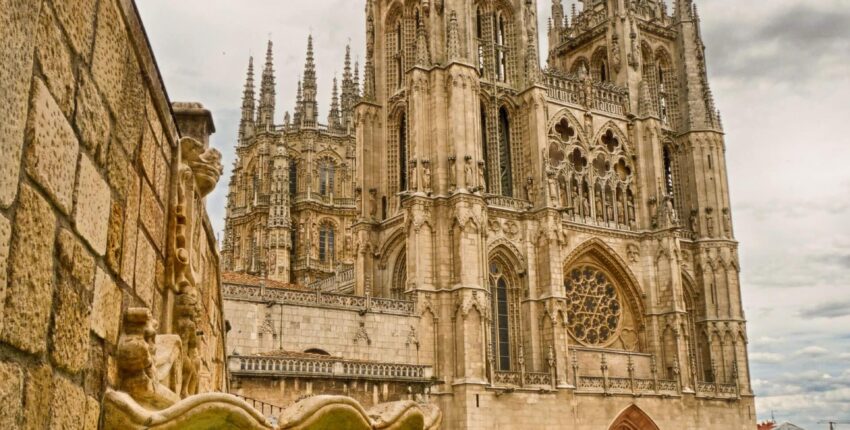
(555, 245)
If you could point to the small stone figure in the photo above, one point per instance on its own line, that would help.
(358, 201)
(553, 189)
(373, 203)
(727, 222)
(469, 175)
(414, 176)
(482, 183)
(426, 176)
(599, 208)
(530, 192)
(693, 221)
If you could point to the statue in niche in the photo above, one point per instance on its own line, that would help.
(709, 223)
(599, 208)
(621, 213)
(727, 222)
(469, 175)
(530, 192)
(630, 201)
(426, 176)
(358, 201)
(586, 205)
(576, 198)
(482, 183)
(414, 175)
(609, 210)
(452, 174)
(552, 186)
(373, 204)
(693, 221)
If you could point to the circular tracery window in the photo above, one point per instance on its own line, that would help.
(594, 310)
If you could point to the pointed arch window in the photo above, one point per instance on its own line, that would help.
(501, 42)
(326, 243)
(503, 293)
(399, 43)
(484, 144)
(293, 179)
(479, 34)
(669, 176)
(399, 280)
(402, 153)
(505, 171)
(326, 177)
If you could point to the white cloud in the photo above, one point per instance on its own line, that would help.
(766, 357)
(812, 351)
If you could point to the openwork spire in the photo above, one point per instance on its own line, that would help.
(349, 91)
(423, 57)
(333, 114)
(453, 37)
(265, 117)
(369, 70)
(310, 111)
(298, 102)
(246, 124)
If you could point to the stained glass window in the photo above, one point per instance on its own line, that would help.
(594, 310)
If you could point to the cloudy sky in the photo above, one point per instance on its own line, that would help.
(780, 71)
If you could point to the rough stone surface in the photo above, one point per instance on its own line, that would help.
(117, 171)
(11, 394)
(110, 49)
(18, 20)
(38, 396)
(75, 258)
(68, 409)
(129, 117)
(55, 61)
(106, 309)
(131, 228)
(77, 18)
(70, 346)
(52, 145)
(93, 206)
(92, 414)
(30, 292)
(5, 236)
(145, 269)
(147, 154)
(91, 118)
(152, 215)
(114, 237)
(163, 174)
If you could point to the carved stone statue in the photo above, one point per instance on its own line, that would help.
(373, 204)
(426, 176)
(599, 209)
(358, 201)
(552, 186)
(482, 183)
(530, 192)
(469, 175)
(727, 223)
(414, 175)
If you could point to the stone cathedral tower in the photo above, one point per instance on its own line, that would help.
(565, 233)
(291, 196)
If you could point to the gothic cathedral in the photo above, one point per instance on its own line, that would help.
(558, 241)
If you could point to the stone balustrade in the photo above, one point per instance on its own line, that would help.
(570, 89)
(508, 203)
(328, 368)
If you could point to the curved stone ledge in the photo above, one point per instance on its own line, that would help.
(198, 412)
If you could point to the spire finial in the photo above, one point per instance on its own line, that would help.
(246, 124)
(454, 37)
(265, 117)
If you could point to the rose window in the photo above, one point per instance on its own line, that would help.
(594, 311)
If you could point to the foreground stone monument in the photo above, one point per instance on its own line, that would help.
(110, 298)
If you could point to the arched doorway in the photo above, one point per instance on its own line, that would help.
(633, 418)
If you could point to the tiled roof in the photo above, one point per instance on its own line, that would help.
(255, 281)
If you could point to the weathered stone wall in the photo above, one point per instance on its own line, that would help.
(89, 147)
(258, 327)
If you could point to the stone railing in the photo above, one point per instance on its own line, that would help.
(718, 390)
(337, 283)
(570, 89)
(508, 203)
(522, 379)
(317, 197)
(620, 372)
(327, 368)
(319, 299)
